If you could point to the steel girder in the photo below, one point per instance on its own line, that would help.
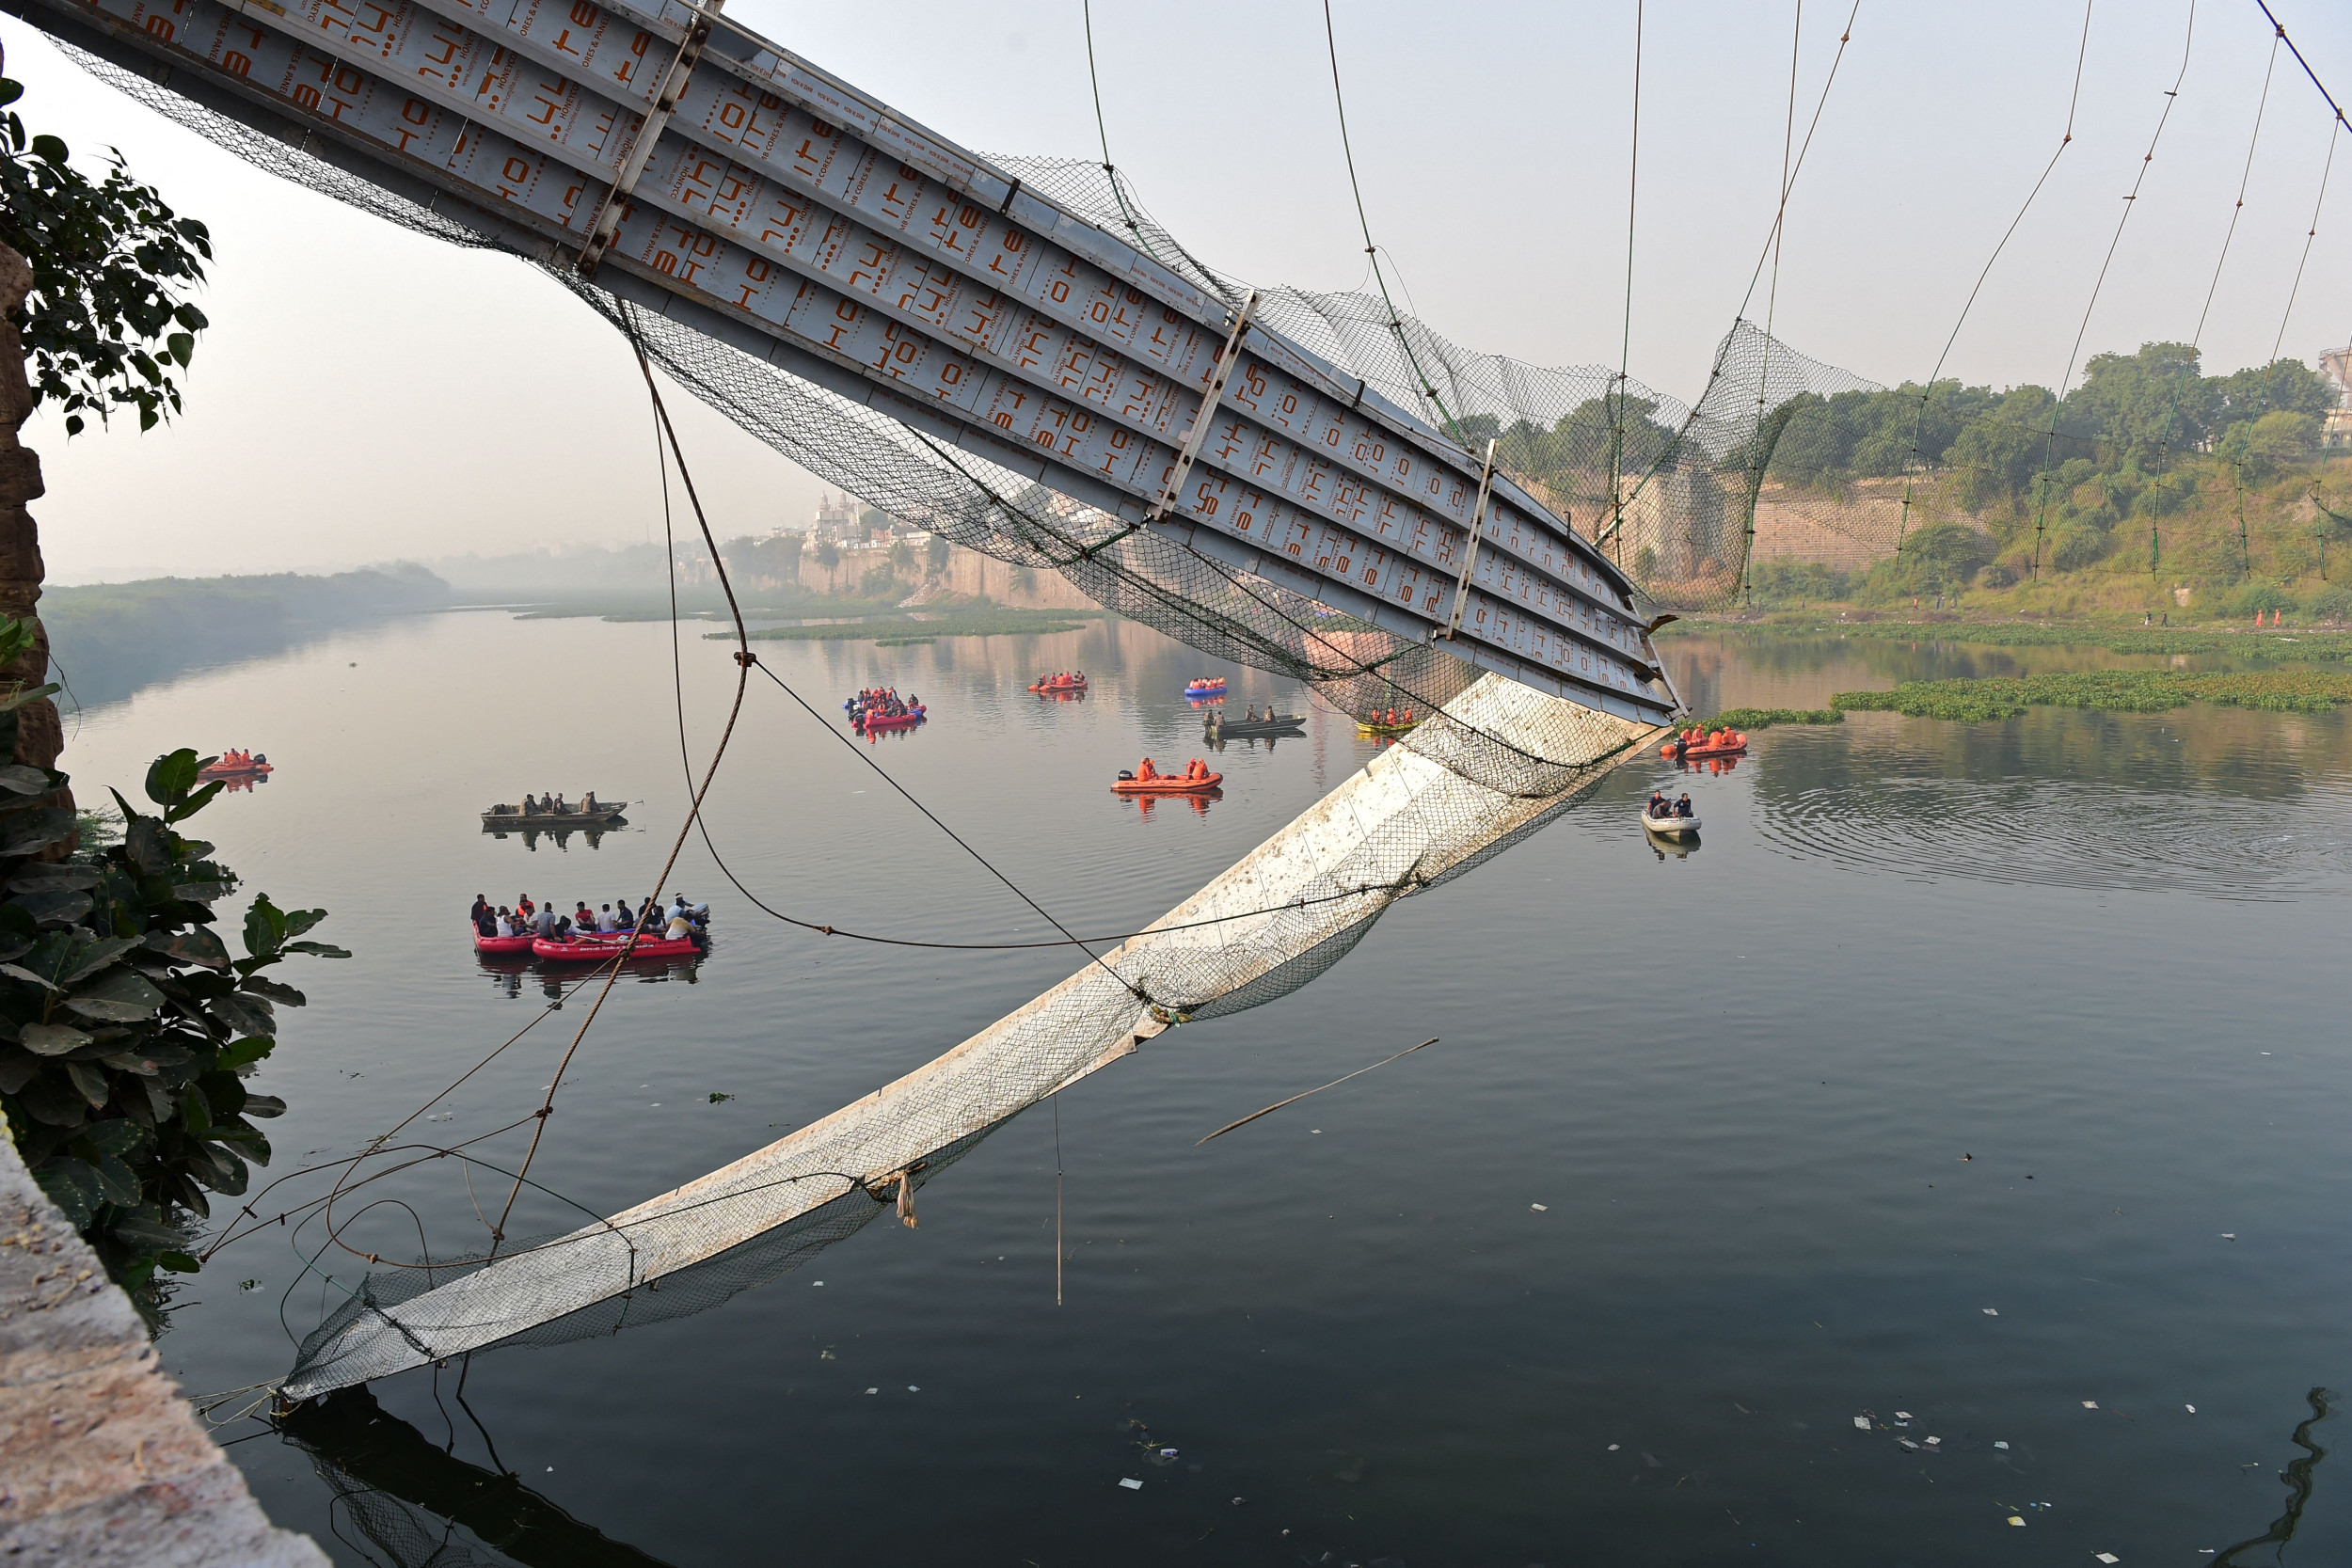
(709, 174)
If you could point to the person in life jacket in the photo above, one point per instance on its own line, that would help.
(1145, 771)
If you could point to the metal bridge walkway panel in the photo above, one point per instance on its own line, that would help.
(779, 210)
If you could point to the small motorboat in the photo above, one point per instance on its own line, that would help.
(1670, 827)
(1057, 685)
(1167, 783)
(600, 949)
(1206, 686)
(906, 720)
(501, 945)
(1221, 728)
(1734, 743)
(237, 764)
(1367, 731)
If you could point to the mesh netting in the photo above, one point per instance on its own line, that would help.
(1660, 485)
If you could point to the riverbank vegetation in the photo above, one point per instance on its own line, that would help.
(2266, 647)
(2149, 487)
(108, 639)
(1996, 697)
(127, 1031)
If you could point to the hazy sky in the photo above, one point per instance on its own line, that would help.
(365, 394)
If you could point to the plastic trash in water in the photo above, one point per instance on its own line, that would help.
(2192, 1409)
(873, 1390)
(1906, 1442)
(2003, 1446)
(2106, 1556)
(2018, 1520)
(2229, 1235)
(1991, 1312)
(1131, 1483)
(1903, 1415)
(1168, 1453)
(1935, 1442)
(1541, 1207)
(1613, 1448)
(2091, 1404)
(1862, 1423)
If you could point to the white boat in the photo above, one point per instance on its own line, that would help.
(1670, 827)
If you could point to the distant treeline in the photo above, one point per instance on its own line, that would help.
(108, 639)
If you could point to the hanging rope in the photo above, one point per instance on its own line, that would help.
(2073, 98)
(1625, 346)
(1428, 387)
(2335, 132)
(2057, 402)
(1772, 303)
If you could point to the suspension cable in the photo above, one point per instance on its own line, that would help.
(1625, 346)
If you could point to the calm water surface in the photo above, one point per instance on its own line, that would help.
(1937, 1080)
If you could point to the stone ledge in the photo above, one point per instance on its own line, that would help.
(101, 1463)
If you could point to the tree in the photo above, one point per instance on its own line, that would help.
(2263, 447)
(936, 554)
(828, 557)
(901, 556)
(92, 276)
(2141, 404)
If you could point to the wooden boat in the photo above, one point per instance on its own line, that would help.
(1219, 728)
(601, 949)
(1670, 827)
(508, 821)
(1367, 732)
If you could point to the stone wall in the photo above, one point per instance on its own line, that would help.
(101, 1463)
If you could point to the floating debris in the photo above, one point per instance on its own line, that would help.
(1131, 1483)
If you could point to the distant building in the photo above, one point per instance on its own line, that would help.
(837, 519)
(2336, 365)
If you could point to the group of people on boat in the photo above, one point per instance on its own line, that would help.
(1659, 807)
(525, 918)
(549, 805)
(1695, 739)
(882, 702)
(234, 760)
(1391, 719)
(1060, 680)
(1196, 769)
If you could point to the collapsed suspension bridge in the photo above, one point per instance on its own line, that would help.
(1004, 351)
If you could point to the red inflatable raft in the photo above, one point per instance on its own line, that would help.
(598, 949)
(1054, 688)
(889, 722)
(237, 770)
(1168, 784)
(501, 944)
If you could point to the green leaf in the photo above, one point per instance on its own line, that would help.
(118, 1136)
(52, 1039)
(181, 346)
(15, 699)
(265, 927)
(264, 1105)
(17, 1069)
(244, 1014)
(120, 996)
(190, 317)
(116, 1183)
(88, 959)
(51, 149)
(60, 907)
(180, 1262)
(170, 777)
(24, 832)
(319, 949)
(40, 877)
(284, 995)
(21, 973)
(195, 945)
(202, 893)
(300, 921)
(217, 1168)
(196, 802)
(25, 781)
(144, 1234)
(52, 1102)
(195, 1112)
(243, 1052)
(149, 1060)
(73, 1186)
(90, 1080)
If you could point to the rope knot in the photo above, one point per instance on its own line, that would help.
(745, 657)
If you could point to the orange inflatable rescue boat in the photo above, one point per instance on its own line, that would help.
(1705, 743)
(1147, 780)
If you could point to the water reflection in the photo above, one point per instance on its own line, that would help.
(406, 1499)
(506, 971)
(560, 836)
(1198, 800)
(2298, 1478)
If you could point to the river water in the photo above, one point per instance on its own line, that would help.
(1982, 1084)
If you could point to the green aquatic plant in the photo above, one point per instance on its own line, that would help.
(127, 1031)
(1765, 718)
(899, 630)
(1999, 696)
